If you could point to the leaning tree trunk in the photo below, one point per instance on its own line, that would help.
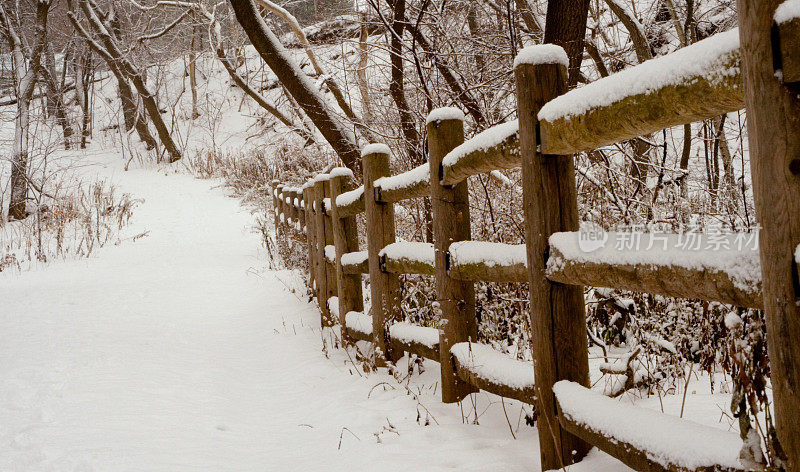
(297, 83)
(112, 53)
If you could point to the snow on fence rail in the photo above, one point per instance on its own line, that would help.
(490, 370)
(723, 268)
(494, 262)
(698, 82)
(646, 439)
(408, 258)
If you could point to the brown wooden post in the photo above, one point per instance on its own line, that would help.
(311, 242)
(330, 267)
(321, 272)
(275, 207)
(384, 287)
(291, 194)
(345, 238)
(284, 240)
(450, 206)
(550, 205)
(281, 204)
(773, 125)
(301, 211)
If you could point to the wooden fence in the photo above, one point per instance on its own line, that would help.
(553, 124)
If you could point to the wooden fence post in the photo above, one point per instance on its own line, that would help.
(384, 287)
(283, 242)
(345, 238)
(773, 125)
(330, 267)
(450, 206)
(301, 211)
(326, 285)
(291, 195)
(311, 242)
(550, 205)
(275, 207)
(279, 188)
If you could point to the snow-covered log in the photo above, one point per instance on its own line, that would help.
(408, 258)
(355, 263)
(414, 183)
(494, 148)
(358, 326)
(484, 367)
(494, 262)
(351, 203)
(691, 84)
(419, 340)
(694, 83)
(645, 439)
(700, 266)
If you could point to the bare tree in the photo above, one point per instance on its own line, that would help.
(104, 43)
(26, 73)
(342, 140)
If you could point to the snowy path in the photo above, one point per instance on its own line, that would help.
(180, 352)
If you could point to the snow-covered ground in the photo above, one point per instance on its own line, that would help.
(181, 351)
(184, 351)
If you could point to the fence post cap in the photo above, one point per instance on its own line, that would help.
(542, 54)
(375, 148)
(341, 172)
(443, 114)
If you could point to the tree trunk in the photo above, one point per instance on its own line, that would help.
(55, 94)
(342, 140)
(131, 113)
(397, 84)
(26, 83)
(112, 54)
(566, 27)
(193, 69)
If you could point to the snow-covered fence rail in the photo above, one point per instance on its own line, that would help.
(694, 83)
(698, 82)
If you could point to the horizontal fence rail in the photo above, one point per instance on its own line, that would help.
(698, 82)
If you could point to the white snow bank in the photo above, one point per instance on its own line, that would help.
(326, 205)
(407, 179)
(409, 250)
(358, 321)
(787, 11)
(375, 148)
(735, 254)
(354, 258)
(444, 113)
(321, 178)
(542, 54)
(330, 253)
(482, 141)
(668, 440)
(703, 58)
(491, 254)
(494, 366)
(596, 461)
(411, 333)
